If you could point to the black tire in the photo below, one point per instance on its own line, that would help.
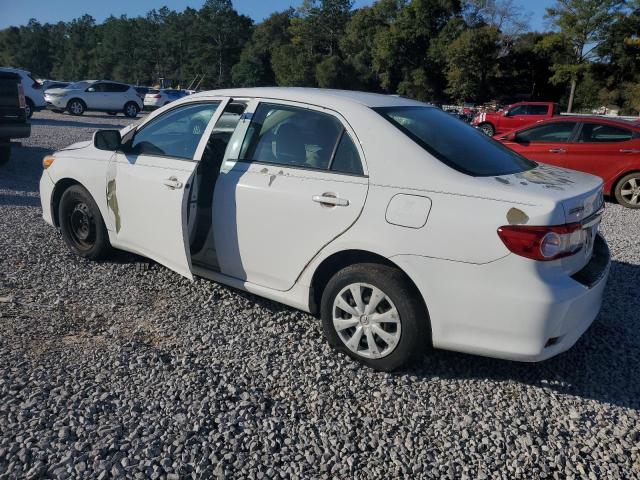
(76, 107)
(29, 108)
(5, 153)
(82, 225)
(627, 191)
(487, 129)
(412, 320)
(131, 110)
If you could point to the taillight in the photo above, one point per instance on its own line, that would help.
(543, 243)
(157, 96)
(22, 103)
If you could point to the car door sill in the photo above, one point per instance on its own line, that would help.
(296, 297)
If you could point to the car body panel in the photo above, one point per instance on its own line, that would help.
(514, 116)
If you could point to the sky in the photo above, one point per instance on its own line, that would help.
(18, 12)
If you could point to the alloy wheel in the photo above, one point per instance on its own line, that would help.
(366, 320)
(76, 108)
(630, 191)
(132, 110)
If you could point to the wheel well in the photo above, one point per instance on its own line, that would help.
(336, 262)
(58, 190)
(615, 183)
(27, 99)
(78, 99)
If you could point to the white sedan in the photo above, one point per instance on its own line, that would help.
(398, 224)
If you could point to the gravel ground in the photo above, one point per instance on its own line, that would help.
(123, 368)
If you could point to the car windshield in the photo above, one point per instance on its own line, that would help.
(78, 85)
(454, 143)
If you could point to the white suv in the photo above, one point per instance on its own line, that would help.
(98, 95)
(33, 92)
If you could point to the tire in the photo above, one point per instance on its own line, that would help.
(82, 225)
(627, 191)
(29, 108)
(76, 107)
(131, 110)
(5, 153)
(405, 329)
(487, 129)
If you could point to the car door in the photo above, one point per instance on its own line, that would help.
(546, 143)
(293, 180)
(95, 96)
(513, 118)
(114, 96)
(602, 149)
(147, 180)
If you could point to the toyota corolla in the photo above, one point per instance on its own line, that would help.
(399, 225)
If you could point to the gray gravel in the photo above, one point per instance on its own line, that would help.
(123, 368)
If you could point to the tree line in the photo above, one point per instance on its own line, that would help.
(432, 50)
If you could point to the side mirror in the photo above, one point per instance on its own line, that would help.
(108, 140)
(505, 113)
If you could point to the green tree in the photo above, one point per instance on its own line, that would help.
(582, 29)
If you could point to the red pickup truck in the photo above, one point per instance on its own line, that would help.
(514, 116)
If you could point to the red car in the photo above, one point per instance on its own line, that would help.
(514, 116)
(605, 147)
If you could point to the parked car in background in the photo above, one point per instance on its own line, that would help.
(156, 98)
(299, 203)
(13, 115)
(48, 84)
(95, 95)
(142, 91)
(604, 147)
(33, 92)
(514, 116)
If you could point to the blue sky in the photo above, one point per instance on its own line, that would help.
(18, 12)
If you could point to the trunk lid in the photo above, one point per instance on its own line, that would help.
(554, 196)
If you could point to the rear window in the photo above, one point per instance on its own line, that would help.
(455, 143)
(9, 90)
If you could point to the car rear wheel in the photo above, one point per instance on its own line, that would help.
(29, 108)
(373, 314)
(82, 225)
(5, 153)
(131, 110)
(487, 129)
(75, 107)
(627, 191)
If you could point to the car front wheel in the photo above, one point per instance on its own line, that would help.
(131, 110)
(487, 129)
(627, 191)
(76, 107)
(82, 225)
(373, 314)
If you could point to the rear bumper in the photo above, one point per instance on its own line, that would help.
(513, 308)
(14, 130)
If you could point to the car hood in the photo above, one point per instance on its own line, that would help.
(573, 195)
(76, 146)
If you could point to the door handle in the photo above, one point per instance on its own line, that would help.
(629, 150)
(330, 199)
(173, 183)
(557, 150)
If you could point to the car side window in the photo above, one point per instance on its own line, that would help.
(550, 132)
(601, 133)
(176, 133)
(347, 159)
(519, 110)
(291, 136)
(537, 110)
(116, 88)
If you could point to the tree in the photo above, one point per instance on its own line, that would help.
(583, 27)
(473, 64)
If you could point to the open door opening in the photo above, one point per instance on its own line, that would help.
(200, 210)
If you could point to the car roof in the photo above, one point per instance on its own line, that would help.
(593, 118)
(318, 96)
(15, 70)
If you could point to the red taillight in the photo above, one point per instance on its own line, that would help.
(157, 96)
(543, 243)
(22, 103)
